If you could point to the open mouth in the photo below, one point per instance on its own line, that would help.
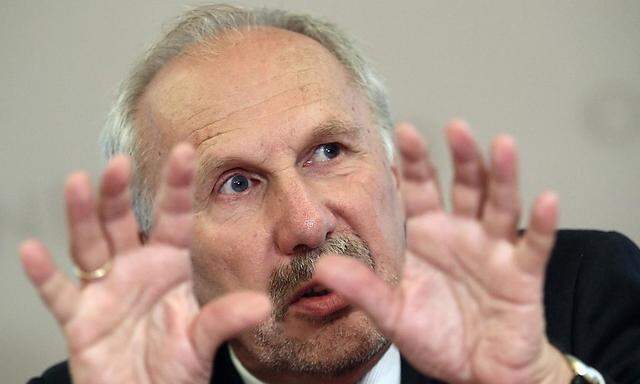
(316, 291)
(310, 290)
(316, 300)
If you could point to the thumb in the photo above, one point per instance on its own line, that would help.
(225, 317)
(359, 285)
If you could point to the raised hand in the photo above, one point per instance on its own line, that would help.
(468, 308)
(139, 322)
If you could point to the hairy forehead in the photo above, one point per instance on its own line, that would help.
(241, 70)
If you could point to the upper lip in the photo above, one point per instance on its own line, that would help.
(304, 288)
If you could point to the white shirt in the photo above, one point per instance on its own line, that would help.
(386, 370)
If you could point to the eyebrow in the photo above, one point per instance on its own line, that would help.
(326, 130)
(334, 128)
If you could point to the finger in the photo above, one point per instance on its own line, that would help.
(223, 318)
(359, 285)
(89, 247)
(420, 185)
(535, 246)
(118, 220)
(502, 210)
(57, 291)
(469, 182)
(173, 216)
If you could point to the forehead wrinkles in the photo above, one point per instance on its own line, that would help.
(210, 123)
(244, 72)
(201, 87)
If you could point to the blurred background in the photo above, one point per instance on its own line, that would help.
(562, 77)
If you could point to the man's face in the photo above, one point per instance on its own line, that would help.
(290, 166)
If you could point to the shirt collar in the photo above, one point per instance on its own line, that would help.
(386, 370)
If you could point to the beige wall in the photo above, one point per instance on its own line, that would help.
(562, 76)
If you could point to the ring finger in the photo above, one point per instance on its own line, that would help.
(89, 248)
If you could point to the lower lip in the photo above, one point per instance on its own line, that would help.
(318, 306)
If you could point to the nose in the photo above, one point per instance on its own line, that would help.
(303, 220)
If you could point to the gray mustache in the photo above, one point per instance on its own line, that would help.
(286, 279)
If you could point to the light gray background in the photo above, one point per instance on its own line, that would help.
(562, 76)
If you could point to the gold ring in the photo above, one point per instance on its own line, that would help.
(95, 274)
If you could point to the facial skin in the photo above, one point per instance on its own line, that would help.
(288, 157)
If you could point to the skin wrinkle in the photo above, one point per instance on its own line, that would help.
(229, 116)
(71, 327)
(330, 129)
(305, 104)
(237, 93)
(238, 90)
(247, 108)
(308, 89)
(197, 113)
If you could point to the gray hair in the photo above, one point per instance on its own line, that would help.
(207, 22)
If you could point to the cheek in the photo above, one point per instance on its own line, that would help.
(228, 257)
(375, 194)
(371, 206)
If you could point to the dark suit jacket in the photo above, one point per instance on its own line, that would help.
(592, 309)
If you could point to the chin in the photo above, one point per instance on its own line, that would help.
(327, 347)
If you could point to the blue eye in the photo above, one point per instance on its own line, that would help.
(326, 152)
(236, 184)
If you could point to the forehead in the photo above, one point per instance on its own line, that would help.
(254, 80)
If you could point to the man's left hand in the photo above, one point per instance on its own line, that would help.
(469, 305)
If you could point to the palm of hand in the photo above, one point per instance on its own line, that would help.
(136, 320)
(468, 308)
(140, 323)
(471, 303)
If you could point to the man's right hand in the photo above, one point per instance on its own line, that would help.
(140, 322)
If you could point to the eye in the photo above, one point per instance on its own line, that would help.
(236, 184)
(326, 152)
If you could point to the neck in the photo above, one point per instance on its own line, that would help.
(269, 375)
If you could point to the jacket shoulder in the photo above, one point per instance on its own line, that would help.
(57, 374)
(592, 296)
(223, 371)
